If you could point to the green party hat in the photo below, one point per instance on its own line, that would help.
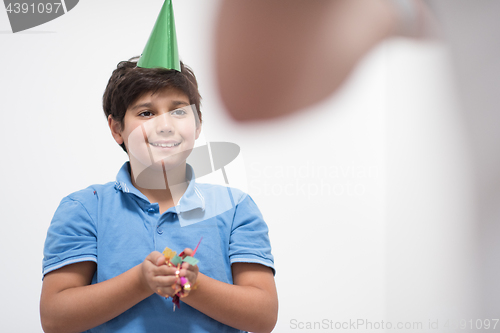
(161, 49)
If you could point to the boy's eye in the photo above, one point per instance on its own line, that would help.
(146, 114)
(178, 112)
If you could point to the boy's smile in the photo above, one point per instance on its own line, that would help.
(165, 144)
(159, 127)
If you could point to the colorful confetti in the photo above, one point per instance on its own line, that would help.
(174, 260)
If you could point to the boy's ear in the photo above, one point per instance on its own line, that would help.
(115, 128)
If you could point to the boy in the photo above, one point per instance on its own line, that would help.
(102, 263)
(103, 270)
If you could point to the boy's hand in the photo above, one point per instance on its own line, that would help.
(165, 280)
(157, 276)
(188, 271)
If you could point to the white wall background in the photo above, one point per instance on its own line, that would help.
(366, 194)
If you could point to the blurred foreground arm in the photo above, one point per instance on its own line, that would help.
(275, 57)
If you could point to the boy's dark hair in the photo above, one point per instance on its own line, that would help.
(128, 82)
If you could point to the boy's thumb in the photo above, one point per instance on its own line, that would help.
(160, 260)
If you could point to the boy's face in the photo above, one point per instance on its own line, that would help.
(158, 127)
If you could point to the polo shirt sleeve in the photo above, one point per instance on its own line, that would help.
(249, 241)
(72, 235)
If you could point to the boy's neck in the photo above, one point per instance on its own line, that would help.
(165, 187)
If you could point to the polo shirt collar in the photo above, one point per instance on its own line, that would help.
(190, 200)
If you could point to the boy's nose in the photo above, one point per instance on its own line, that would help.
(163, 124)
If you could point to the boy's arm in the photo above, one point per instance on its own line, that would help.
(70, 304)
(251, 304)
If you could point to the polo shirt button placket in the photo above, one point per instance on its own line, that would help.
(151, 210)
(159, 230)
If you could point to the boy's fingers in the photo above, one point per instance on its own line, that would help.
(187, 251)
(160, 260)
(164, 270)
(167, 285)
(187, 267)
(193, 269)
(153, 256)
(165, 291)
(165, 281)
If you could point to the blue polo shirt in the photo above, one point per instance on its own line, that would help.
(117, 227)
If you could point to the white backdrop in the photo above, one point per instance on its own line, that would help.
(366, 197)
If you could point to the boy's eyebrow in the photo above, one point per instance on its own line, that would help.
(142, 105)
(149, 105)
(176, 103)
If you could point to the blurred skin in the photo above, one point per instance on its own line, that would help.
(277, 57)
